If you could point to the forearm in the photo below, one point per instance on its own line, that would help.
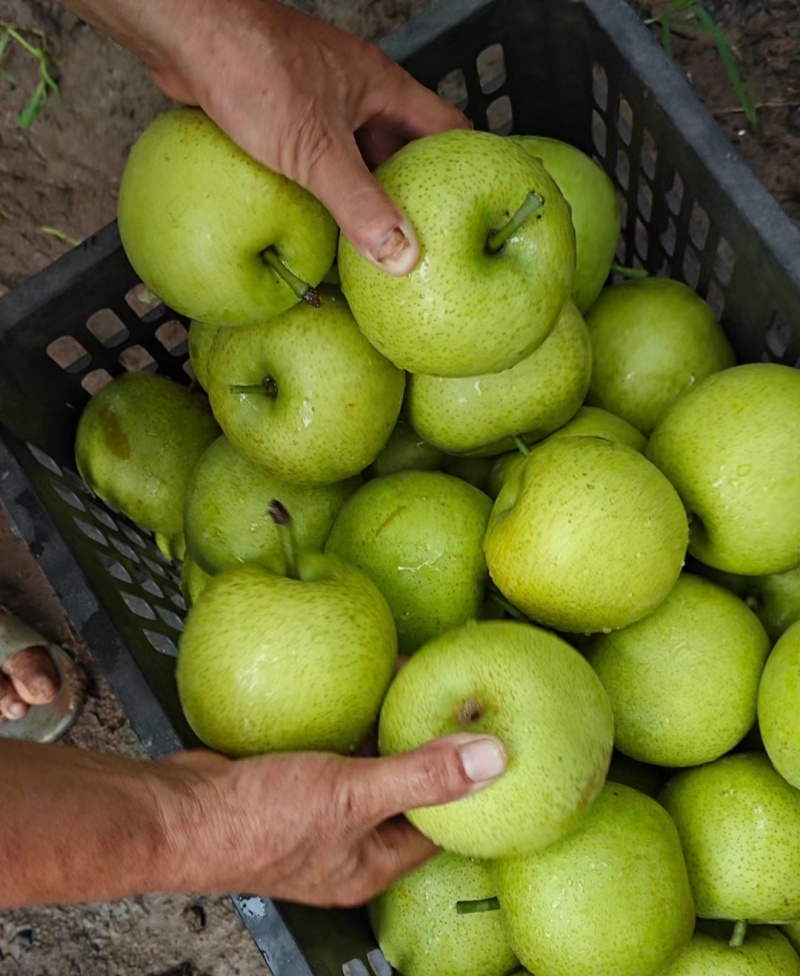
(78, 826)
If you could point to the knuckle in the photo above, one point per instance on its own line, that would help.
(437, 779)
(307, 143)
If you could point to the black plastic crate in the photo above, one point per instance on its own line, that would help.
(586, 72)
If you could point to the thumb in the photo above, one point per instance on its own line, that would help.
(441, 771)
(366, 214)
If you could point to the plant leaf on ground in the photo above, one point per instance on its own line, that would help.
(689, 14)
(45, 84)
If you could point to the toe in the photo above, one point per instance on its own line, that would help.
(33, 675)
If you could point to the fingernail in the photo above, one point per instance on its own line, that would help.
(15, 709)
(483, 759)
(393, 254)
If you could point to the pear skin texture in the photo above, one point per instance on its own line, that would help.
(612, 899)
(651, 341)
(463, 311)
(337, 399)
(779, 706)
(267, 663)
(540, 698)
(201, 337)
(730, 447)
(226, 517)
(792, 933)
(195, 213)
(480, 415)
(419, 536)
(765, 952)
(586, 536)
(137, 441)
(739, 823)
(596, 422)
(684, 681)
(194, 580)
(595, 211)
(405, 451)
(419, 931)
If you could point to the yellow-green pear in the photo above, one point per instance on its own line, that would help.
(216, 235)
(764, 952)
(729, 445)
(594, 206)
(779, 706)
(419, 536)
(226, 511)
(535, 693)
(792, 933)
(421, 933)
(137, 442)
(586, 536)
(683, 682)
(280, 663)
(652, 339)
(481, 415)
(497, 257)
(739, 823)
(596, 422)
(610, 899)
(201, 337)
(304, 394)
(194, 580)
(405, 451)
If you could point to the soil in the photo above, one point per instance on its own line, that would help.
(58, 183)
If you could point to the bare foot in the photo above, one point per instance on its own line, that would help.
(27, 678)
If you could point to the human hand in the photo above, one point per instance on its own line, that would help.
(301, 96)
(26, 678)
(318, 828)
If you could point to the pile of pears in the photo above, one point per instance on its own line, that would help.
(550, 493)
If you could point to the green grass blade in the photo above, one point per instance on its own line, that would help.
(666, 37)
(34, 106)
(7, 76)
(728, 59)
(5, 39)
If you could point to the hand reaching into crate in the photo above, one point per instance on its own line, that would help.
(315, 828)
(306, 99)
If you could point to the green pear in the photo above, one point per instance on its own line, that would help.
(305, 395)
(596, 422)
(765, 952)
(739, 823)
(540, 698)
(272, 663)
(595, 211)
(137, 441)
(474, 470)
(226, 516)
(611, 899)
(586, 535)
(775, 598)
(419, 536)
(481, 415)
(213, 233)
(792, 933)
(405, 451)
(497, 257)
(587, 422)
(778, 701)
(652, 339)
(201, 337)
(729, 446)
(421, 933)
(683, 682)
(194, 580)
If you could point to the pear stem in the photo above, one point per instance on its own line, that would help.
(533, 202)
(268, 387)
(301, 288)
(479, 905)
(637, 274)
(737, 939)
(284, 522)
(521, 446)
(509, 607)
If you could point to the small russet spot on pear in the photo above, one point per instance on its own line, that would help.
(469, 711)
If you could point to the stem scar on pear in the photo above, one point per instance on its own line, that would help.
(533, 201)
(469, 711)
(268, 387)
(301, 288)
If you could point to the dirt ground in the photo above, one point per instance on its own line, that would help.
(63, 174)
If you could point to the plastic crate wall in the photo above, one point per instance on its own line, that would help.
(584, 72)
